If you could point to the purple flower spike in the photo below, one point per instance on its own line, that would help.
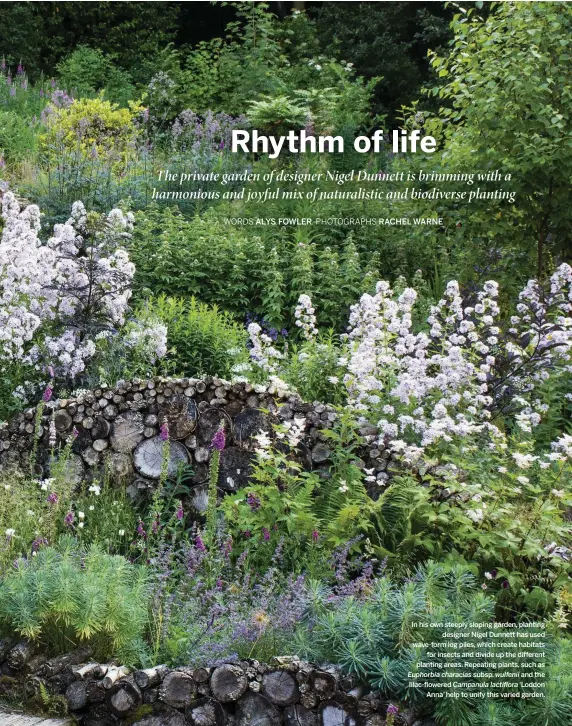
(392, 710)
(506, 585)
(141, 529)
(180, 513)
(164, 432)
(219, 439)
(39, 542)
(253, 501)
(315, 535)
(494, 574)
(199, 544)
(69, 519)
(265, 534)
(47, 393)
(53, 499)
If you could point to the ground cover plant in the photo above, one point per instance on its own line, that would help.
(445, 350)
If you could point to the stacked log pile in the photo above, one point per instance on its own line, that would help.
(119, 427)
(289, 692)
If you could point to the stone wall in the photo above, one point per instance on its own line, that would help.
(248, 693)
(119, 427)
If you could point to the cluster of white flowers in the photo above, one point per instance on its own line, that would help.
(149, 337)
(448, 382)
(305, 317)
(262, 349)
(65, 284)
(292, 432)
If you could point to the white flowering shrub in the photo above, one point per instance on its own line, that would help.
(305, 317)
(60, 297)
(457, 377)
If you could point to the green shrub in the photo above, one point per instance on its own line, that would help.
(261, 273)
(18, 139)
(67, 594)
(201, 338)
(87, 71)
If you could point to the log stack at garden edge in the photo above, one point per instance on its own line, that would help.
(288, 692)
(120, 427)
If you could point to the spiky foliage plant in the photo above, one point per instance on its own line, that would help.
(381, 634)
(68, 595)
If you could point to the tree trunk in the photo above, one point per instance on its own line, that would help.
(180, 414)
(323, 684)
(150, 677)
(114, 674)
(21, 654)
(76, 695)
(148, 457)
(206, 712)
(297, 715)
(228, 683)
(332, 714)
(178, 690)
(127, 432)
(254, 709)
(280, 688)
(57, 665)
(123, 697)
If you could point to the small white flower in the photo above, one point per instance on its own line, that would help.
(96, 489)
(10, 532)
(7, 487)
(121, 532)
(81, 525)
(81, 515)
(91, 507)
(502, 470)
(559, 493)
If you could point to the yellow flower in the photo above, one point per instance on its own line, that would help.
(260, 619)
